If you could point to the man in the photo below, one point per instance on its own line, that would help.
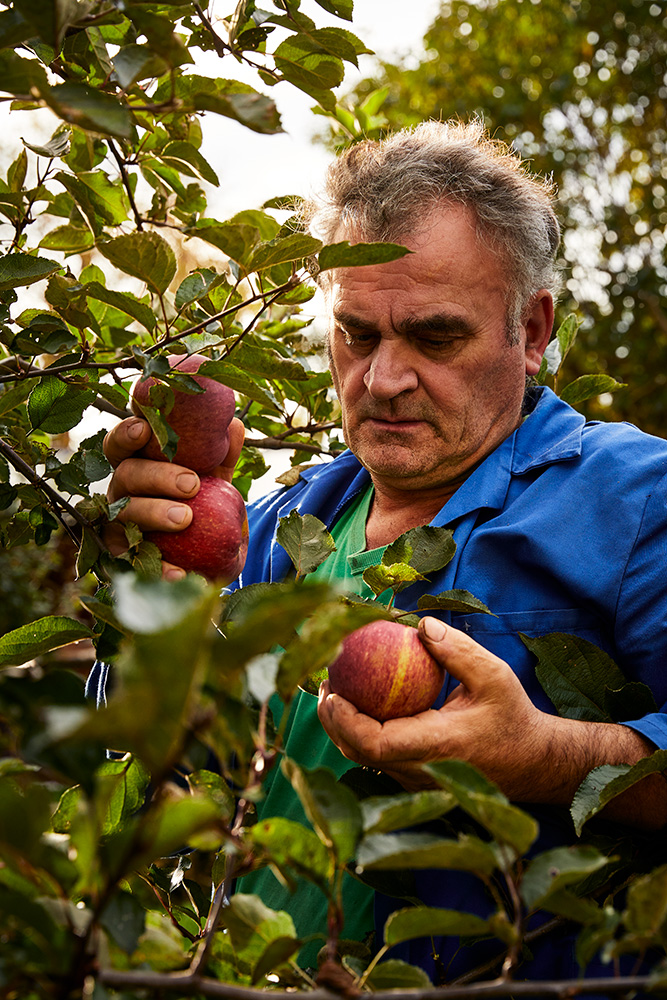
(560, 526)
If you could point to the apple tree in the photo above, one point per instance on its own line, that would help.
(119, 842)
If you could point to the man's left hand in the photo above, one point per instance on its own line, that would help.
(487, 720)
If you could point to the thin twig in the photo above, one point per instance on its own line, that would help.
(126, 183)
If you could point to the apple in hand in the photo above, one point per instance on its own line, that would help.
(386, 672)
(200, 420)
(215, 543)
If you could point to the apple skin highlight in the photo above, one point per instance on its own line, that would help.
(386, 672)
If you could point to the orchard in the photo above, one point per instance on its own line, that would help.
(124, 823)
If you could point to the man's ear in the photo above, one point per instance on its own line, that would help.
(537, 323)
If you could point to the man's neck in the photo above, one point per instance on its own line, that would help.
(394, 511)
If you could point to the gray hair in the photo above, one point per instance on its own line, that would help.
(382, 189)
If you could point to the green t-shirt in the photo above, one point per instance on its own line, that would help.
(307, 744)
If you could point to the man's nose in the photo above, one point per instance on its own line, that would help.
(391, 370)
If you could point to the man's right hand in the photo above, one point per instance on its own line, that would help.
(156, 489)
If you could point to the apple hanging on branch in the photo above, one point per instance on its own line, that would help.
(215, 542)
(386, 672)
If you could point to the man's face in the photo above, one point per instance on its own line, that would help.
(427, 382)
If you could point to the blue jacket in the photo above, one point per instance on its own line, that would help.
(563, 528)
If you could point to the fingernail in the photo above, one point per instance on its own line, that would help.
(177, 514)
(135, 429)
(174, 574)
(186, 482)
(433, 629)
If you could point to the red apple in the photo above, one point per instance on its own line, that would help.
(386, 672)
(216, 541)
(200, 420)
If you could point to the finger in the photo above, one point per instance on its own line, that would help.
(156, 514)
(376, 744)
(236, 438)
(125, 439)
(467, 661)
(342, 723)
(141, 477)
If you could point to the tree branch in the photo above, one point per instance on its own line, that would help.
(58, 502)
(188, 985)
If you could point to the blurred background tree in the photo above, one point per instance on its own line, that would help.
(579, 88)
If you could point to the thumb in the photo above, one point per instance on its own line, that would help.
(467, 661)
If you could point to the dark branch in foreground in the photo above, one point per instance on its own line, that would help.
(187, 984)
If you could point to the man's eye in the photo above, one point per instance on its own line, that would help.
(435, 344)
(358, 339)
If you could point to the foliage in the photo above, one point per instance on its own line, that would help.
(115, 864)
(579, 88)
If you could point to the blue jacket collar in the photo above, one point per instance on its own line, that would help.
(551, 433)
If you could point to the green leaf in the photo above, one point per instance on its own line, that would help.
(124, 919)
(575, 674)
(431, 921)
(426, 548)
(558, 348)
(122, 784)
(234, 378)
(632, 701)
(41, 636)
(289, 843)
(178, 153)
(246, 916)
(58, 145)
(394, 973)
(305, 64)
(146, 256)
(159, 31)
(340, 42)
(604, 783)
(306, 541)
(291, 248)
(309, 654)
(18, 269)
(555, 869)
(646, 909)
(71, 239)
(587, 386)
(231, 99)
(136, 62)
(123, 301)
(460, 601)
(397, 576)
(484, 801)
(236, 241)
(343, 8)
(262, 361)
(23, 77)
(347, 254)
(54, 406)
(160, 675)
(176, 823)
(104, 202)
(425, 850)
(13, 28)
(331, 808)
(91, 109)
(386, 813)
